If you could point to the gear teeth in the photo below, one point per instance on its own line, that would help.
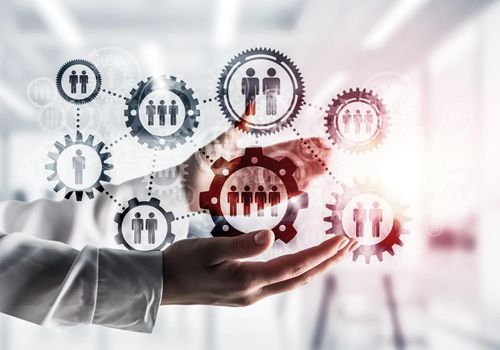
(103, 177)
(153, 202)
(374, 187)
(171, 141)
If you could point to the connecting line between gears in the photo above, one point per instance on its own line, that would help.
(151, 177)
(309, 147)
(114, 94)
(77, 118)
(190, 215)
(110, 145)
(113, 198)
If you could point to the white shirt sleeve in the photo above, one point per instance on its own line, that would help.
(50, 283)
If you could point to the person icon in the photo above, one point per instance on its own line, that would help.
(78, 166)
(358, 119)
(250, 88)
(346, 120)
(271, 89)
(151, 227)
(368, 121)
(247, 199)
(84, 80)
(173, 110)
(233, 198)
(260, 199)
(376, 218)
(359, 217)
(162, 111)
(274, 200)
(150, 112)
(137, 226)
(73, 81)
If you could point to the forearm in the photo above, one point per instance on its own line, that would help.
(53, 284)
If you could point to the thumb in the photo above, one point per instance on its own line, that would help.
(244, 246)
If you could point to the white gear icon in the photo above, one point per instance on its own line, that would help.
(168, 181)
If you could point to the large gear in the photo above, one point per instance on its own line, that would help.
(103, 177)
(273, 56)
(134, 203)
(392, 238)
(253, 157)
(163, 184)
(333, 115)
(90, 66)
(179, 88)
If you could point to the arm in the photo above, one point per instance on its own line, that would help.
(51, 283)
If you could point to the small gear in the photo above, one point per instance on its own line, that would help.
(282, 153)
(167, 182)
(90, 66)
(120, 71)
(253, 157)
(135, 203)
(103, 177)
(273, 56)
(177, 87)
(392, 238)
(333, 123)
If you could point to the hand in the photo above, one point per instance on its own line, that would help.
(208, 270)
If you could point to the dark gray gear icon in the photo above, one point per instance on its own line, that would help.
(273, 56)
(179, 88)
(92, 68)
(154, 203)
(333, 120)
(253, 157)
(103, 177)
(392, 238)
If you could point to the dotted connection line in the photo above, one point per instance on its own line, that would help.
(320, 108)
(205, 155)
(152, 175)
(113, 198)
(111, 93)
(310, 148)
(124, 136)
(190, 215)
(77, 118)
(210, 99)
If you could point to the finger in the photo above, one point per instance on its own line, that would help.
(304, 279)
(292, 265)
(221, 249)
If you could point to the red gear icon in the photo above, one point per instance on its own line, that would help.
(253, 157)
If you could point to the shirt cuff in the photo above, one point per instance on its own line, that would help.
(129, 289)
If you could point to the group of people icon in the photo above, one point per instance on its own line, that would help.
(78, 166)
(138, 226)
(75, 79)
(161, 110)
(247, 198)
(357, 119)
(250, 88)
(360, 216)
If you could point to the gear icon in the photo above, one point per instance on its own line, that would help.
(177, 87)
(253, 157)
(282, 153)
(154, 203)
(234, 116)
(391, 239)
(92, 68)
(334, 121)
(103, 156)
(168, 181)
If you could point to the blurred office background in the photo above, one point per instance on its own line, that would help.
(435, 63)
